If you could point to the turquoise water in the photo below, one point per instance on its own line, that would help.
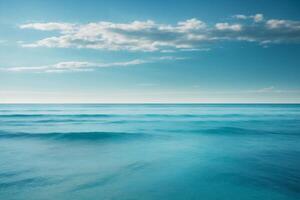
(94, 151)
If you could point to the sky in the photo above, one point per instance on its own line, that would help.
(138, 51)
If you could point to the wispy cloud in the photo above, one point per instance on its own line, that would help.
(264, 90)
(272, 89)
(152, 36)
(256, 18)
(79, 66)
(229, 27)
(258, 91)
(51, 26)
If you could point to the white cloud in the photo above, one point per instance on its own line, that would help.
(135, 36)
(226, 26)
(266, 89)
(272, 89)
(283, 24)
(74, 66)
(79, 66)
(240, 16)
(256, 18)
(152, 36)
(191, 24)
(202, 49)
(51, 26)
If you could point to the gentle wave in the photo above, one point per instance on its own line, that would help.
(150, 152)
(235, 131)
(57, 115)
(146, 115)
(72, 136)
(100, 135)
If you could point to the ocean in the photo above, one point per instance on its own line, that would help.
(150, 151)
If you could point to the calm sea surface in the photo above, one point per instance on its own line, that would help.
(171, 151)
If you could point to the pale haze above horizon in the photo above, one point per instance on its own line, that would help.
(150, 51)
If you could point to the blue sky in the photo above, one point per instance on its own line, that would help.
(149, 51)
